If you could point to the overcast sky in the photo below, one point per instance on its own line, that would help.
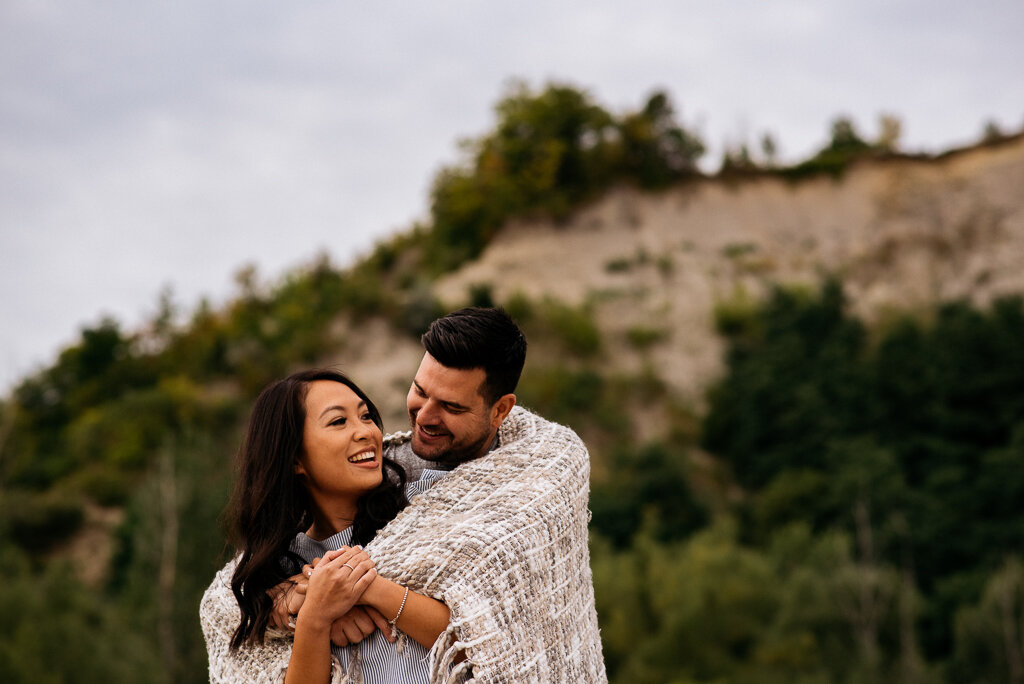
(148, 145)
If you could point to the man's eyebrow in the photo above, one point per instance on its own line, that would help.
(449, 404)
(338, 407)
(454, 405)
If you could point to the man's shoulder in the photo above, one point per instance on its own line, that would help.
(398, 447)
(523, 423)
(396, 440)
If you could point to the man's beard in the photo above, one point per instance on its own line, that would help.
(457, 453)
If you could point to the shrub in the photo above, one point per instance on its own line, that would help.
(520, 308)
(736, 316)
(574, 326)
(650, 482)
(618, 265)
(642, 337)
(481, 294)
(38, 522)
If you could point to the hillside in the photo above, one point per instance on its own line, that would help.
(901, 232)
(780, 474)
(884, 449)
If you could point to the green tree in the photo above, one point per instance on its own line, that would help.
(57, 630)
(890, 129)
(656, 150)
(990, 634)
(795, 383)
(844, 146)
(549, 151)
(912, 437)
(649, 484)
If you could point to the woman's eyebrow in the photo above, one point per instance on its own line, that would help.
(331, 408)
(338, 407)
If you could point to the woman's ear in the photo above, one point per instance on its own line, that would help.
(300, 469)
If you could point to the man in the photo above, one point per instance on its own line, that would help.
(464, 387)
(461, 394)
(501, 537)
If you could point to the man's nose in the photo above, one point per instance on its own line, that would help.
(427, 413)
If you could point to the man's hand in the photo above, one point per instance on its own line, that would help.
(357, 624)
(288, 597)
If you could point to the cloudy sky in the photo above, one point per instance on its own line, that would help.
(146, 146)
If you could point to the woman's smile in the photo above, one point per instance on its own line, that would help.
(342, 446)
(365, 458)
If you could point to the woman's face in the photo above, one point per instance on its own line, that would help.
(341, 454)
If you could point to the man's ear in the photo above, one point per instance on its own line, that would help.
(501, 409)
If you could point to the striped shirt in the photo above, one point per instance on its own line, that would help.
(379, 659)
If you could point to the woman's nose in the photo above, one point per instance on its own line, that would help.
(364, 430)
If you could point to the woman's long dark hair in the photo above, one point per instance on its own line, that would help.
(270, 503)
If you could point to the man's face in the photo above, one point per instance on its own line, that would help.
(451, 421)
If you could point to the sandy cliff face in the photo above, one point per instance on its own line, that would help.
(900, 232)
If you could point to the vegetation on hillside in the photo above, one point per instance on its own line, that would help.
(550, 151)
(846, 511)
(908, 440)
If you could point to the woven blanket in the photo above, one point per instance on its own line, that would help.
(502, 541)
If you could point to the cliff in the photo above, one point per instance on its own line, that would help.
(901, 233)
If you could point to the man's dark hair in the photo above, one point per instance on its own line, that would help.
(477, 337)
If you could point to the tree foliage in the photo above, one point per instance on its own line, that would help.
(550, 150)
(917, 431)
(851, 513)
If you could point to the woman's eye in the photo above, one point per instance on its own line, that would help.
(338, 421)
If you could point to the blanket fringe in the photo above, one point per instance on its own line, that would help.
(355, 668)
(443, 668)
(460, 672)
(502, 541)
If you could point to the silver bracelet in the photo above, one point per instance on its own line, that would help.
(401, 607)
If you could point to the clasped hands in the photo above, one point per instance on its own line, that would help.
(330, 588)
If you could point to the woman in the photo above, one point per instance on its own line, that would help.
(312, 487)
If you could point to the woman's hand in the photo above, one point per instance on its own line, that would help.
(336, 583)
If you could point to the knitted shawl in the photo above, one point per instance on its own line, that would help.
(502, 541)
